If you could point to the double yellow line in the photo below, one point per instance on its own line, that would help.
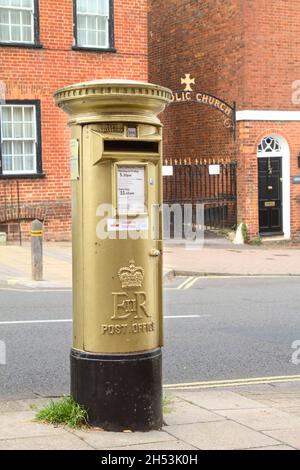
(234, 383)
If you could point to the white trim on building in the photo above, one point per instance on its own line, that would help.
(259, 115)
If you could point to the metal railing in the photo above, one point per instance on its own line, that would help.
(193, 183)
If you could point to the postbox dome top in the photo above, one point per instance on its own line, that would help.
(86, 101)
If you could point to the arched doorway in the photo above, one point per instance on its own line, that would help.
(274, 186)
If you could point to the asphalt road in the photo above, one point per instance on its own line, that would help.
(223, 329)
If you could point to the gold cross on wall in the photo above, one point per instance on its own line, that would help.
(188, 81)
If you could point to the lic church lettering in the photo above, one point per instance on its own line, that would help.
(188, 95)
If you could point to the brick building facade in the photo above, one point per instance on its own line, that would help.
(45, 45)
(244, 52)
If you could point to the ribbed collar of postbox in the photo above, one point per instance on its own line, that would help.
(85, 100)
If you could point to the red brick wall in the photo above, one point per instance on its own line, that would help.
(38, 73)
(202, 39)
(250, 135)
(271, 61)
(243, 51)
(271, 64)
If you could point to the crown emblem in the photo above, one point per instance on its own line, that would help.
(131, 276)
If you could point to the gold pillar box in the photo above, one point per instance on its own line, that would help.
(116, 161)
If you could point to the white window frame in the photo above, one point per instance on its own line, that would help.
(32, 25)
(107, 45)
(20, 139)
(269, 151)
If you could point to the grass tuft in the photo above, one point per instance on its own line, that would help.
(64, 412)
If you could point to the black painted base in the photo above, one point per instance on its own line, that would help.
(121, 391)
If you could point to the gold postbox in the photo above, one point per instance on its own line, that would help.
(116, 172)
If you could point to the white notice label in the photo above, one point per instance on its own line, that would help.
(214, 169)
(127, 225)
(131, 190)
(74, 159)
(167, 170)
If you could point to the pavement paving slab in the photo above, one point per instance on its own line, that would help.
(289, 436)
(104, 440)
(277, 400)
(57, 442)
(183, 412)
(218, 400)
(262, 419)
(13, 406)
(21, 424)
(220, 435)
(293, 410)
(230, 260)
(280, 447)
(167, 445)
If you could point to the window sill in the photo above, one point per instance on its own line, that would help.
(23, 176)
(93, 49)
(21, 45)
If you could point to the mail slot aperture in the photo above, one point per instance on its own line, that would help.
(130, 146)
